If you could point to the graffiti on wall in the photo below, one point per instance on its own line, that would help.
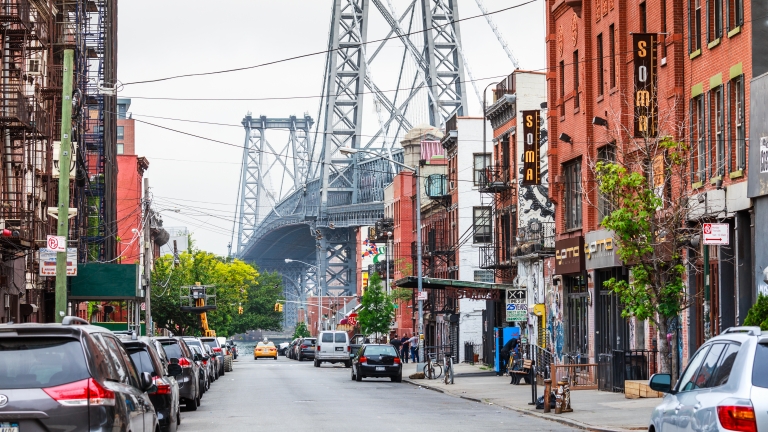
(555, 329)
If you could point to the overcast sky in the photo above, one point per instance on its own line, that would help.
(172, 37)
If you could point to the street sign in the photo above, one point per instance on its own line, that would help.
(422, 295)
(57, 243)
(48, 262)
(517, 305)
(716, 234)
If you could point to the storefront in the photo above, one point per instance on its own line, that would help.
(570, 271)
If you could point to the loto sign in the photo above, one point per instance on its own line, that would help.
(716, 234)
(569, 256)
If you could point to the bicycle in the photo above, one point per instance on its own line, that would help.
(432, 369)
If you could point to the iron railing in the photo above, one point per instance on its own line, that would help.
(13, 107)
(493, 256)
(625, 365)
(495, 179)
(537, 236)
(506, 86)
(15, 12)
(542, 360)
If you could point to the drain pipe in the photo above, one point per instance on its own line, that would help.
(10, 186)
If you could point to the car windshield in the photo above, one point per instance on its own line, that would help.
(380, 350)
(172, 349)
(260, 344)
(192, 342)
(760, 366)
(43, 362)
(211, 344)
(308, 342)
(142, 360)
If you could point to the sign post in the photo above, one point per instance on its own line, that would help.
(517, 305)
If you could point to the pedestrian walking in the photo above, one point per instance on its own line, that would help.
(414, 343)
(405, 349)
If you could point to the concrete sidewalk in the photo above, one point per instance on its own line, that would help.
(592, 409)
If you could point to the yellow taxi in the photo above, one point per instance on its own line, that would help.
(264, 350)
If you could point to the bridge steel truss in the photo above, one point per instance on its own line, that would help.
(338, 193)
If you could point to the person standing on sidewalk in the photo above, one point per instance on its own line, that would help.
(404, 352)
(395, 342)
(414, 343)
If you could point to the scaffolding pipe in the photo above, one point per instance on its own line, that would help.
(10, 186)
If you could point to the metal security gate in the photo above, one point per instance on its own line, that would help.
(578, 321)
(611, 333)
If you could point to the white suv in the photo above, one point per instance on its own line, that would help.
(724, 387)
(333, 347)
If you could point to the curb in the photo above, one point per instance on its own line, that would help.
(562, 420)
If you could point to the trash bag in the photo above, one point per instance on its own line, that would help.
(540, 401)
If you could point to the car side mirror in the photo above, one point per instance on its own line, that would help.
(198, 357)
(146, 382)
(174, 370)
(174, 360)
(661, 383)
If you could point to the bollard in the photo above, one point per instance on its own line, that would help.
(567, 398)
(547, 392)
(559, 397)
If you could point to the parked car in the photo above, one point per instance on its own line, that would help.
(306, 349)
(217, 350)
(197, 355)
(267, 350)
(205, 360)
(355, 342)
(333, 347)
(232, 346)
(189, 389)
(165, 397)
(292, 348)
(71, 376)
(228, 359)
(377, 360)
(213, 362)
(724, 386)
(282, 349)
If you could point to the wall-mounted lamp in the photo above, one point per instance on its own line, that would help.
(599, 121)
(719, 184)
(7, 302)
(566, 138)
(543, 105)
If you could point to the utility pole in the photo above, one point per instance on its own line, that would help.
(147, 260)
(65, 156)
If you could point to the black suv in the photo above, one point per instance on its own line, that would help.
(165, 398)
(189, 387)
(70, 376)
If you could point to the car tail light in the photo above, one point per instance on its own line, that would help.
(304, 346)
(318, 347)
(363, 359)
(349, 348)
(205, 362)
(183, 362)
(737, 417)
(397, 360)
(162, 387)
(218, 350)
(81, 393)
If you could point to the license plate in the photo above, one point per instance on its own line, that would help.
(380, 369)
(339, 348)
(9, 427)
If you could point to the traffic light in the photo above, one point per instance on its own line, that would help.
(277, 307)
(240, 310)
(281, 307)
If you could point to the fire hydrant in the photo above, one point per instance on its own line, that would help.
(563, 398)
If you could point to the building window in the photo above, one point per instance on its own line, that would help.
(735, 13)
(575, 79)
(606, 154)
(121, 111)
(482, 161)
(120, 132)
(120, 148)
(612, 53)
(484, 276)
(718, 130)
(572, 172)
(600, 76)
(694, 25)
(562, 88)
(714, 19)
(663, 6)
(481, 220)
(737, 106)
(643, 18)
(699, 139)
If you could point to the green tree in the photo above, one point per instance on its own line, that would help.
(377, 310)
(259, 309)
(301, 330)
(646, 188)
(758, 313)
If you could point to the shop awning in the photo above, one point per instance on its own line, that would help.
(457, 288)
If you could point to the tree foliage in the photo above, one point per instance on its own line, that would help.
(301, 330)
(758, 313)
(645, 188)
(377, 310)
(236, 284)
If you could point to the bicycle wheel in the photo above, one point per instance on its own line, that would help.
(438, 370)
(429, 371)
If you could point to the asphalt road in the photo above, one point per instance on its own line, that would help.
(287, 395)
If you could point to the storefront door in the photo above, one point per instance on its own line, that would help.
(577, 342)
(612, 332)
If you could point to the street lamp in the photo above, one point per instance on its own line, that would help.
(320, 286)
(352, 151)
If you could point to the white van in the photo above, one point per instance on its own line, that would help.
(333, 347)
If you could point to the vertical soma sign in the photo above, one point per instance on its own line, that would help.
(646, 104)
(531, 151)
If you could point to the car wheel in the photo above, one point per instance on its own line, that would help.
(352, 373)
(317, 363)
(191, 405)
(255, 358)
(348, 364)
(275, 357)
(398, 378)
(178, 417)
(301, 358)
(199, 400)
(358, 376)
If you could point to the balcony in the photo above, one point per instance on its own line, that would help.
(506, 86)
(13, 108)
(379, 231)
(436, 187)
(496, 256)
(538, 239)
(495, 179)
(15, 12)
